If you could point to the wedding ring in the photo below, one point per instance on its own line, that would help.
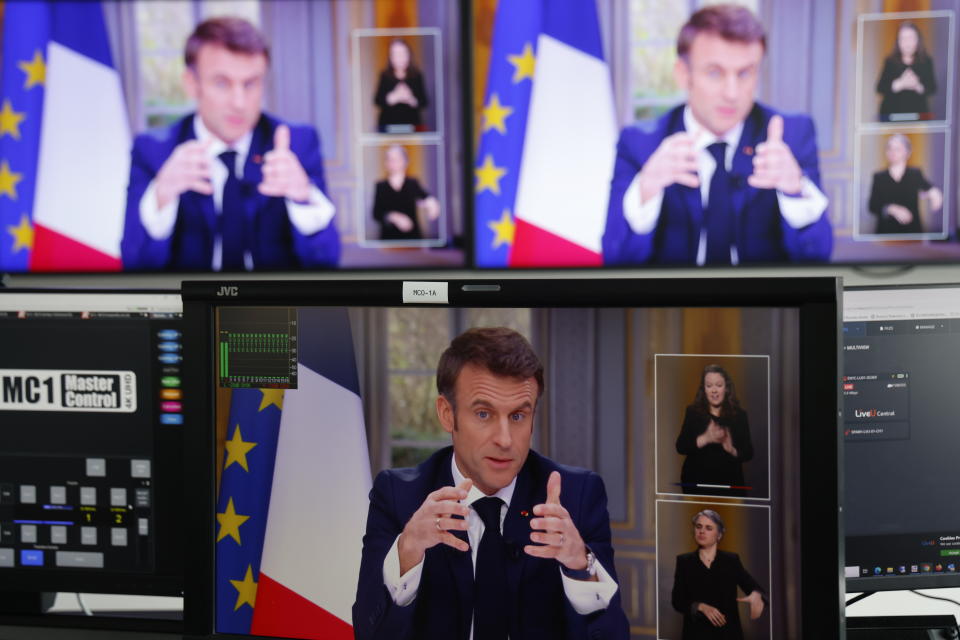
(561, 539)
(438, 524)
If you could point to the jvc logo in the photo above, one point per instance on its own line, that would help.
(228, 291)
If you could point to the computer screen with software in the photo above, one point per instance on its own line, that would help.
(900, 348)
(308, 390)
(91, 486)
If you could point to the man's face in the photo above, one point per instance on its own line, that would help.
(228, 90)
(720, 77)
(491, 425)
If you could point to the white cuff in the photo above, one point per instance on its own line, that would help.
(804, 209)
(586, 596)
(403, 589)
(642, 218)
(313, 216)
(159, 223)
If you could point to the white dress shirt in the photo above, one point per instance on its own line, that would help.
(798, 211)
(585, 596)
(307, 218)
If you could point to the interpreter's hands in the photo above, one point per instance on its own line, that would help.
(713, 434)
(713, 614)
(756, 604)
(727, 442)
(187, 169)
(774, 166)
(935, 197)
(283, 175)
(432, 207)
(908, 81)
(402, 94)
(400, 220)
(432, 523)
(674, 161)
(554, 529)
(899, 213)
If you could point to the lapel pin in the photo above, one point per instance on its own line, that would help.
(525, 513)
(257, 158)
(748, 151)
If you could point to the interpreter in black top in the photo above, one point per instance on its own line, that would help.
(715, 437)
(907, 78)
(705, 585)
(396, 199)
(401, 94)
(896, 191)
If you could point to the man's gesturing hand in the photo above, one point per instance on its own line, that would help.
(674, 161)
(554, 529)
(431, 525)
(283, 175)
(187, 169)
(774, 166)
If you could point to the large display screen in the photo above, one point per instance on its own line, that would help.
(665, 133)
(683, 428)
(230, 136)
(898, 346)
(91, 480)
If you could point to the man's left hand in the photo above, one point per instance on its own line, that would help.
(554, 529)
(774, 166)
(283, 175)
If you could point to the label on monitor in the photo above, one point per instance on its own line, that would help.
(425, 292)
(60, 390)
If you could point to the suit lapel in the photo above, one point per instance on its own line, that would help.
(516, 534)
(460, 563)
(742, 165)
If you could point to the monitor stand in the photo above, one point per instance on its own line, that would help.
(902, 628)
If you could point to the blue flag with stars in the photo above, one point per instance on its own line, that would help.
(26, 31)
(248, 461)
(517, 26)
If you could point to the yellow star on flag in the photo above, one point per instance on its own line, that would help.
(523, 64)
(9, 180)
(35, 69)
(504, 230)
(22, 234)
(271, 397)
(495, 115)
(230, 522)
(237, 450)
(246, 590)
(10, 121)
(488, 176)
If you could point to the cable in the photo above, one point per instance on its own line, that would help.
(926, 595)
(83, 605)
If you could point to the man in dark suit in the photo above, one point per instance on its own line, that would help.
(722, 179)
(228, 187)
(487, 539)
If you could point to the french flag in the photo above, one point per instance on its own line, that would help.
(84, 146)
(318, 500)
(548, 138)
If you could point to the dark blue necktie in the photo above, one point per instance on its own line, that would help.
(232, 218)
(718, 215)
(491, 607)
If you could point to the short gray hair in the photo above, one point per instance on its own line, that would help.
(713, 515)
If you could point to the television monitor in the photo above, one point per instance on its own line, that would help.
(91, 478)
(573, 99)
(898, 346)
(307, 390)
(344, 159)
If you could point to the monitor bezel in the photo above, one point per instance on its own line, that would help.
(817, 300)
(895, 582)
(118, 583)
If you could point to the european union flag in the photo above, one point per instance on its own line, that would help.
(245, 484)
(26, 32)
(517, 26)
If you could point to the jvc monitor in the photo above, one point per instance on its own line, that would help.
(552, 458)
(900, 346)
(91, 442)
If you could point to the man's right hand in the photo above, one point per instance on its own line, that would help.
(674, 161)
(431, 524)
(187, 169)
